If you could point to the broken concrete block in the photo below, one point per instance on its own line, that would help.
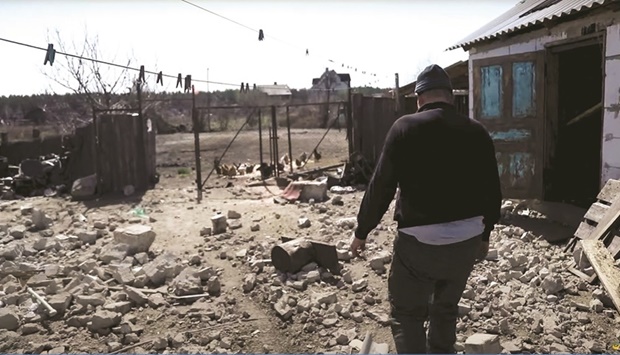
(234, 214)
(249, 282)
(308, 190)
(12, 251)
(9, 319)
(118, 307)
(138, 237)
(205, 231)
(359, 285)
(156, 300)
(113, 252)
(90, 300)
(483, 344)
(136, 295)
(213, 285)
(219, 224)
(104, 320)
(552, 284)
(87, 237)
(40, 220)
(17, 232)
(187, 283)
(234, 224)
(60, 302)
(124, 275)
(283, 309)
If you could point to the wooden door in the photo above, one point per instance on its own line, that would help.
(509, 102)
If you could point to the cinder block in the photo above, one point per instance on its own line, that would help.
(138, 237)
(483, 344)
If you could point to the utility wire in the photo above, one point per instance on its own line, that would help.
(257, 31)
(113, 64)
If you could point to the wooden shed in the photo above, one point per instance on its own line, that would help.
(124, 149)
(544, 79)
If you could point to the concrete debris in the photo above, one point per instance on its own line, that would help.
(483, 344)
(9, 319)
(219, 224)
(303, 222)
(137, 237)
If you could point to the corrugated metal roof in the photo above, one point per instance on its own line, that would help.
(275, 90)
(519, 17)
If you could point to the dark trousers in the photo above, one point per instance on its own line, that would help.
(426, 282)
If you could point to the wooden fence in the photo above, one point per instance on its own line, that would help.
(373, 116)
(124, 153)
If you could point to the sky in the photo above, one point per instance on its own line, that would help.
(377, 37)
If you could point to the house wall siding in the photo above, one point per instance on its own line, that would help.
(537, 40)
(611, 104)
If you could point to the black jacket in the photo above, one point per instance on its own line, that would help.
(445, 166)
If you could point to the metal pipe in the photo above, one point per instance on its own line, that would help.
(196, 147)
(290, 144)
(52, 312)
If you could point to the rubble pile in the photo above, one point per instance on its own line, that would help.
(100, 279)
(522, 285)
(44, 176)
(98, 283)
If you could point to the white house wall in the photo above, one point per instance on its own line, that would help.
(611, 103)
(537, 40)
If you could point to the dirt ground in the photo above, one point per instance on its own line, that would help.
(177, 150)
(247, 321)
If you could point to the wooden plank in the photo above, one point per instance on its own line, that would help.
(585, 231)
(603, 265)
(610, 191)
(606, 222)
(596, 212)
(614, 247)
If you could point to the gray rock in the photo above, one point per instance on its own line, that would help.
(104, 320)
(233, 214)
(303, 222)
(137, 237)
(9, 319)
(249, 282)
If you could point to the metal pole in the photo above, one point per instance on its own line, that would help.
(274, 123)
(290, 144)
(197, 147)
(208, 104)
(260, 137)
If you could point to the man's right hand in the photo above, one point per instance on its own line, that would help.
(483, 252)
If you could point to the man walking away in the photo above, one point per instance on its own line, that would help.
(448, 202)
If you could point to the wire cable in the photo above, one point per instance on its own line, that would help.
(114, 64)
(266, 35)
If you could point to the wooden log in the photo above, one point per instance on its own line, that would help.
(291, 256)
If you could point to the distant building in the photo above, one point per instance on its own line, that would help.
(276, 93)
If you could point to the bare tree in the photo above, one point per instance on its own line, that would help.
(100, 85)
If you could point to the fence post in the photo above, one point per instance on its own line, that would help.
(290, 145)
(349, 118)
(260, 136)
(397, 95)
(196, 127)
(274, 124)
(142, 139)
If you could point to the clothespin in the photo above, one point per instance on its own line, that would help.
(179, 80)
(160, 78)
(242, 86)
(307, 51)
(188, 83)
(261, 35)
(141, 77)
(50, 54)
(254, 87)
(247, 87)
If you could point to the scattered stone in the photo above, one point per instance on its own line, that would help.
(233, 214)
(40, 220)
(104, 320)
(596, 305)
(483, 344)
(213, 285)
(205, 231)
(17, 232)
(219, 224)
(359, 285)
(249, 282)
(9, 320)
(138, 237)
(303, 222)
